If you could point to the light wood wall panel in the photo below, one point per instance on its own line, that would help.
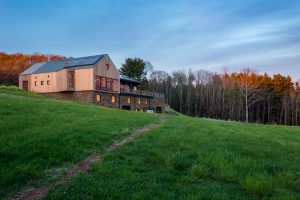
(35, 82)
(84, 79)
(61, 80)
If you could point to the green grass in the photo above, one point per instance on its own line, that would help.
(14, 90)
(190, 158)
(185, 158)
(41, 138)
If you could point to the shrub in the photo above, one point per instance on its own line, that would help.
(8, 87)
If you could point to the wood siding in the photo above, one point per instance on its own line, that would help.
(39, 83)
(61, 80)
(52, 82)
(110, 72)
(84, 79)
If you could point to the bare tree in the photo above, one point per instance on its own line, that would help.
(250, 87)
(180, 81)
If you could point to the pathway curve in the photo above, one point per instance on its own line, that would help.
(38, 193)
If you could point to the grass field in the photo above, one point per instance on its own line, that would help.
(40, 138)
(185, 158)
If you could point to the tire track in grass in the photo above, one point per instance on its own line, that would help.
(38, 193)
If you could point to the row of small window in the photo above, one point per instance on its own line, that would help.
(42, 83)
(138, 100)
(113, 99)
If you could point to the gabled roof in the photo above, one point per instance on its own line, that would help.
(128, 79)
(52, 66)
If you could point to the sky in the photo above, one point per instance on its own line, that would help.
(172, 35)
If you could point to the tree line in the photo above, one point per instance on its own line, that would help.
(11, 65)
(244, 96)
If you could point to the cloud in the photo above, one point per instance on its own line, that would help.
(170, 34)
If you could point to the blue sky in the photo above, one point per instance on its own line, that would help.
(260, 34)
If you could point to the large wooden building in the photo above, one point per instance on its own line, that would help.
(93, 79)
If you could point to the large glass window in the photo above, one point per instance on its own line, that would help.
(110, 83)
(103, 83)
(98, 83)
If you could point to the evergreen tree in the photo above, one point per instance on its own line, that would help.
(136, 68)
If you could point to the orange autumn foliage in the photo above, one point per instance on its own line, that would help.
(11, 65)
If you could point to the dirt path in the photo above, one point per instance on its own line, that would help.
(38, 193)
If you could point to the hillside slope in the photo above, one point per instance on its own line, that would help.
(190, 158)
(41, 138)
(184, 158)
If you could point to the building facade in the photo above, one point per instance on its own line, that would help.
(92, 79)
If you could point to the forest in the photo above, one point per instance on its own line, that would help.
(245, 96)
(11, 65)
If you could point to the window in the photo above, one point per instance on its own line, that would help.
(113, 98)
(110, 84)
(103, 83)
(48, 76)
(128, 100)
(48, 82)
(71, 79)
(35, 83)
(42, 82)
(139, 101)
(146, 102)
(98, 97)
(107, 66)
(98, 83)
(35, 77)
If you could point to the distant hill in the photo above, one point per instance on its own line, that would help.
(11, 65)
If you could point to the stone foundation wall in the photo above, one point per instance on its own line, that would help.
(105, 99)
(142, 103)
(158, 102)
(82, 96)
(137, 103)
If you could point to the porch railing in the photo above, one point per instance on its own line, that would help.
(142, 92)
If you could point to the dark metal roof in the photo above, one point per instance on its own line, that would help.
(52, 66)
(128, 79)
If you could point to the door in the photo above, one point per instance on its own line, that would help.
(158, 110)
(126, 107)
(25, 85)
(71, 80)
